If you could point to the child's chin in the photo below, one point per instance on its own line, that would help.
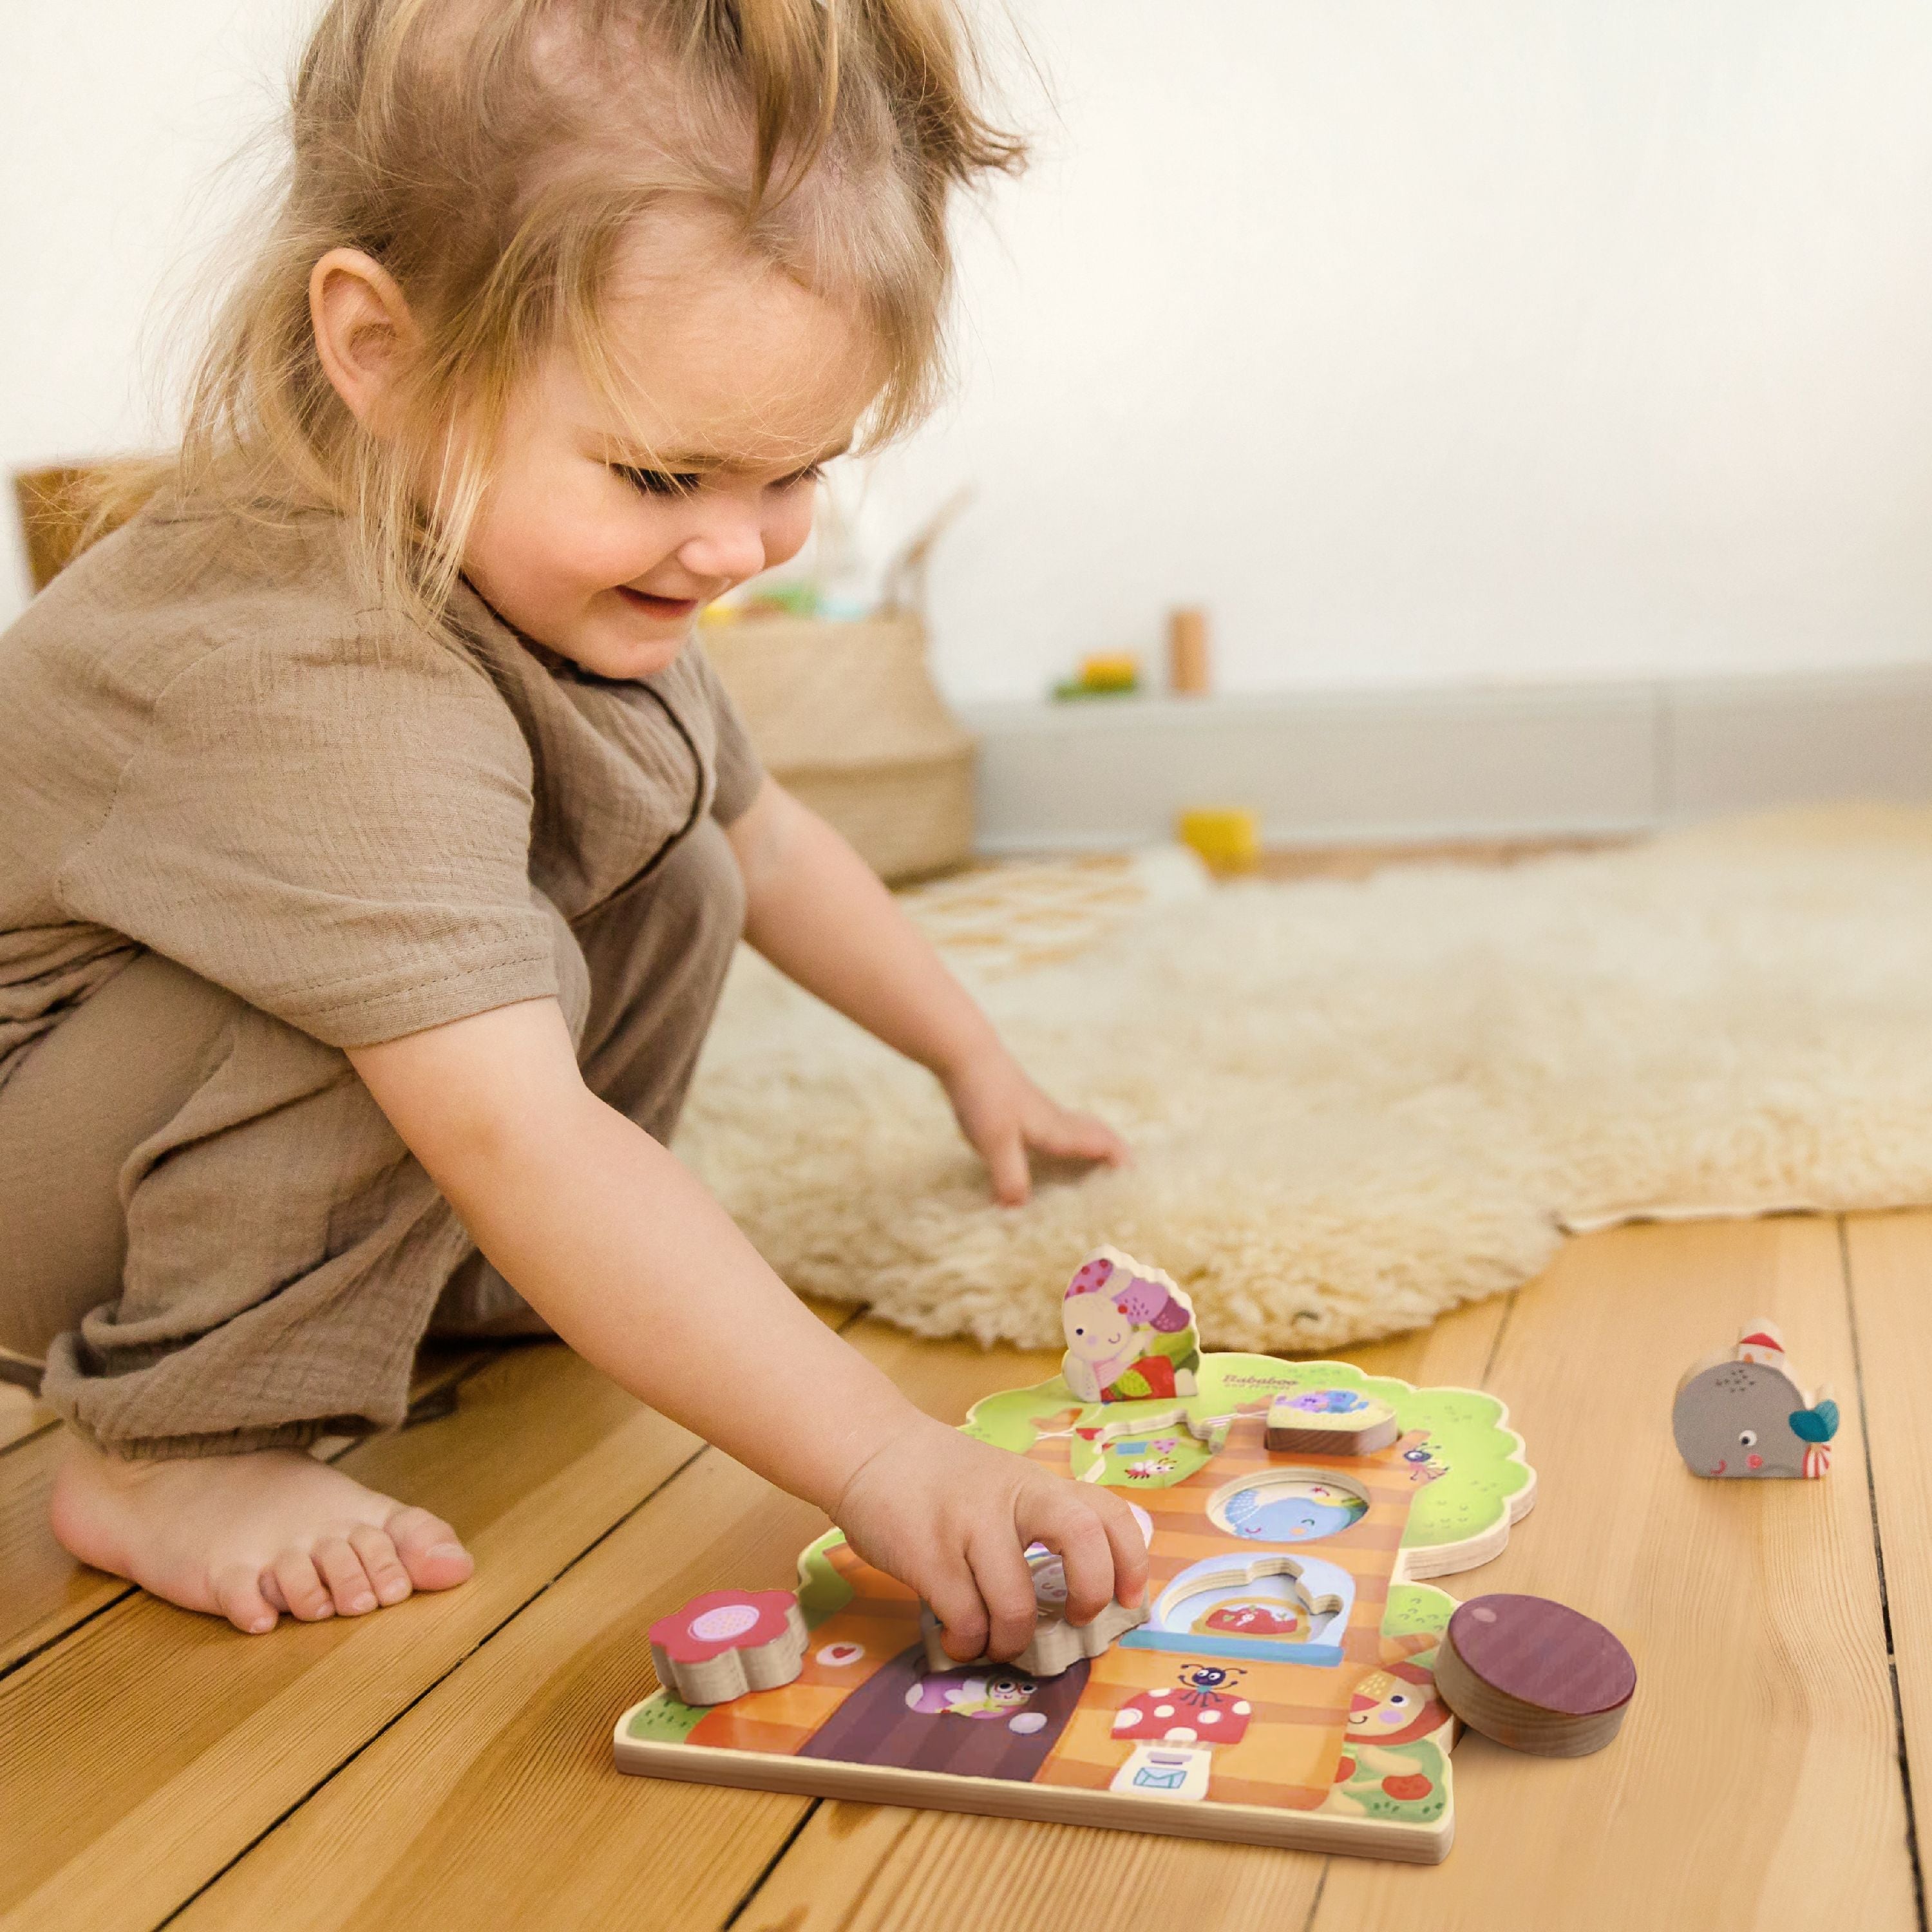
(625, 658)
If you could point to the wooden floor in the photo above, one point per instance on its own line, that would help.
(447, 1763)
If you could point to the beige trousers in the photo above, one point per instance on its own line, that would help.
(213, 1238)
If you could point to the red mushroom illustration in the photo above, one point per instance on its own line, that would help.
(1198, 1710)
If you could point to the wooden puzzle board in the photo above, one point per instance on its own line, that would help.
(1280, 1693)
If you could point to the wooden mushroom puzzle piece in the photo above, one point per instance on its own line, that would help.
(1535, 1675)
(1741, 1413)
(1056, 1644)
(727, 1642)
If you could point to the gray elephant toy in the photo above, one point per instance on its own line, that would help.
(1741, 1414)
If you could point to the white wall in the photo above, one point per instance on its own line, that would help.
(1424, 343)
(117, 121)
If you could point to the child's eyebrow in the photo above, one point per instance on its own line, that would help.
(681, 462)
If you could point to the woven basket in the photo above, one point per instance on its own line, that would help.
(846, 716)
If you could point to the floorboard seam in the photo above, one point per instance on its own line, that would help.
(771, 1864)
(31, 1436)
(61, 1636)
(488, 1636)
(1884, 1596)
(1496, 1342)
(1314, 1903)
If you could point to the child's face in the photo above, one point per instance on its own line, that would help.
(602, 548)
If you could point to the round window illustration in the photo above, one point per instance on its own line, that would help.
(1289, 1506)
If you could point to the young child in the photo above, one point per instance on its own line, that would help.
(378, 838)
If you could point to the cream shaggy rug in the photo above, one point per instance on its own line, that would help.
(1354, 1105)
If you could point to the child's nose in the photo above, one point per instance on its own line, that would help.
(732, 543)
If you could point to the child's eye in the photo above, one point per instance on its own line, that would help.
(800, 477)
(657, 482)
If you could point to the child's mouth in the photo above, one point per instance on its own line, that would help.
(666, 609)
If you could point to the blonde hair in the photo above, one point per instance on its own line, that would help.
(491, 155)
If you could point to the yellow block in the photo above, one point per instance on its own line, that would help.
(1226, 836)
(1115, 671)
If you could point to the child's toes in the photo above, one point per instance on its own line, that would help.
(239, 1593)
(380, 1564)
(300, 1587)
(430, 1553)
(343, 1574)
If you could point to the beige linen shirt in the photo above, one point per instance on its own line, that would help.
(212, 746)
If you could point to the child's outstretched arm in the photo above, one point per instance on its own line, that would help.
(618, 1247)
(817, 912)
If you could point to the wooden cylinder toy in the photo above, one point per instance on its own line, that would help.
(1187, 672)
(1535, 1675)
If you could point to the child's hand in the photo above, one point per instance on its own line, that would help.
(951, 1518)
(1003, 1114)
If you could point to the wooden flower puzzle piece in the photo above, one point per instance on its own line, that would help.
(1130, 1332)
(727, 1642)
(1742, 1414)
(1056, 1644)
(1535, 1675)
(1330, 1422)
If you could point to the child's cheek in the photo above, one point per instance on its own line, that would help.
(597, 549)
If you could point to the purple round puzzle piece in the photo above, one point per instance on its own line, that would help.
(1544, 1654)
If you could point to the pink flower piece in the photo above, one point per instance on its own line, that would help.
(722, 1620)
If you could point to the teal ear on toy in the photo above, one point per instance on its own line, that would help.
(1816, 1425)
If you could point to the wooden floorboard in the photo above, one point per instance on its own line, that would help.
(1888, 1259)
(858, 1866)
(44, 1593)
(151, 1747)
(448, 1763)
(22, 1416)
(494, 1801)
(1755, 1782)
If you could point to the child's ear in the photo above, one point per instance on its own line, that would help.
(364, 331)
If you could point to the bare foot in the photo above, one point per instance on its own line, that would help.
(246, 1537)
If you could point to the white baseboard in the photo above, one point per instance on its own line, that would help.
(1326, 766)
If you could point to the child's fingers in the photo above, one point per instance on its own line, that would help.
(1085, 1556)
(1004, 1153)
(1128, 1544)
(956, 1603)
(1078, 1137)
(1006, 1585)
(1102, 1549)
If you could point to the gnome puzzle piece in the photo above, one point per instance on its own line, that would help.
(1130, 1332)
(1742, 1414)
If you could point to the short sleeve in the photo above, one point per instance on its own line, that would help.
(739, 773)
(336, 829)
